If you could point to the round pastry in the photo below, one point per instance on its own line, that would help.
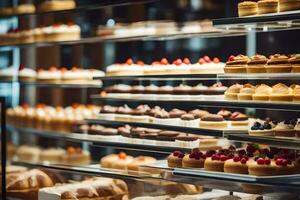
(281, 92)
(256, 64)
(285, 129)
(262, 93)
(53, 75)
(107, 161)
(138, 89)
(194, 160)
(247, 8)
(167, 135)
(52, 155)
(261, 129)
(236, 64)
(125, 131)
(287, 5)
(139, 161)
(278, 64)
(76, 156)
(267, 6)
(296, 92)
(224, 113)
(237, 165)
(246, 92)
(232, 92)
(295, 61)
(175, 159)
(122, 161)
(238, 119)
(215, 162)
(212, 121)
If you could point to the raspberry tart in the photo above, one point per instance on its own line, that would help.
(194, 160)
(175, 159)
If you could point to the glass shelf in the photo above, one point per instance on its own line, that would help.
(54, 85)
(267, 105)
(261, 23)
(291, 143)
(84, 8)
(96, 141)
(196, 131)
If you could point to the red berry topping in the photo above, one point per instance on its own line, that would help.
(215, 157)
(201, 61)
(210, 153)
(177, 62)
(241, 152)
(223, 158)
(279, 161)
(140, 62)
(251, 149)
(186, 61)
(260, 161)
(197, 156)
(22, 66)
(244, 160)
(203, 156)
(267, 161)
(231, 58)
(129, 61)
(289, 162)
(265, 151)
(231, 148)
(206, 59)
(236, 159)
(216, 60)
(284, 162)
(164, 61)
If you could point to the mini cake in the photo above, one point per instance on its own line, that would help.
(26, 74)
(107, 161)
(287, 5)
(261, 129)
(55, 5)
(236, 64)
(246, 92)
(187, 141)
(256, 64)
(267, 6)
(278, 64)
(75, 76)
(212, 121)
(232, 92)
(295, 62)
(281, 92)
(247, 8)
(194, 160)
(95, 129)
(238, 119)
(140, 161)
(122, 161)
(285, 129)
(181, 92)
(199, 89)
(179, 66)
(238, 165)
(262, 93)
(76, 156)
(216, 162)
(53, 75)
(205, 65)
(28, 153)
(52, 155)
(175, 159)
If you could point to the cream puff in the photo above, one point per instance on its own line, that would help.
(262, 93)
(281, 92)
(233, 91)
(246, 92)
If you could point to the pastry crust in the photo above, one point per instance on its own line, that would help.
(267, 6)
(244, 96)
(247, 8)
(188, 162)
(213, 125)
(231, 96)
(282, 68)
(55, 5)
(235, 167)
(259, 68)
(285, 133)
(214, 165)
(281, 97)
(287, 5)
(174, 161)
(261, 132)
(236, 69)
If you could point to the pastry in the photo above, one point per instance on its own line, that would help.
(8, 74)
(95, 129)
(194, 160)
(26, 74)
(238, 165)
(267, 6)
(122, 162)
(198, 113)
(135, 165)
(175, 159)
(165, 137)
(246, 92)
(107, 161)
(187, 141)
(52, 155)
(24, 9)
(262, 93)
(278, 64)
(76, 156)
(224, 113)
(139, 114)
(28, 153)
(53, 75)
(295, 62)
(285, 129)
(212, 121)
(189, 120)
(238, 119)
(215, 162)
(236, 64)
(287, 5)
(247, 8)
(107, 113)
(215, 90)
(205, 65)
(256, 64)
(281, 92)
(55, 5)
(232, 92)
(261, 129)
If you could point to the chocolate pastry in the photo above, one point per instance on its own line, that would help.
(237, 116)
(152, 130)
(136, 132)
(95, 130)
(182, 89)
(187, 138)
(153, 111)
(199, 89)
(198, 113)
(187, 117)
(212, 117)
(161, 114)
(149, 136)
(166, 89)
(176, 113)
(138, 89)
(141, 110)
(125, 131)
(167, 135)
(151, 89)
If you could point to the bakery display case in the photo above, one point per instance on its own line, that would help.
(150, 99)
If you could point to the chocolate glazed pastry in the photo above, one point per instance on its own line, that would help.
(167, 135)
(136, 132)
(176, 113)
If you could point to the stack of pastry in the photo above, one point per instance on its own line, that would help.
(263, 92)
(251, 160)
(93, 188)
(277, 63)
(49, 118)
(204, 66)
(250, 8)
